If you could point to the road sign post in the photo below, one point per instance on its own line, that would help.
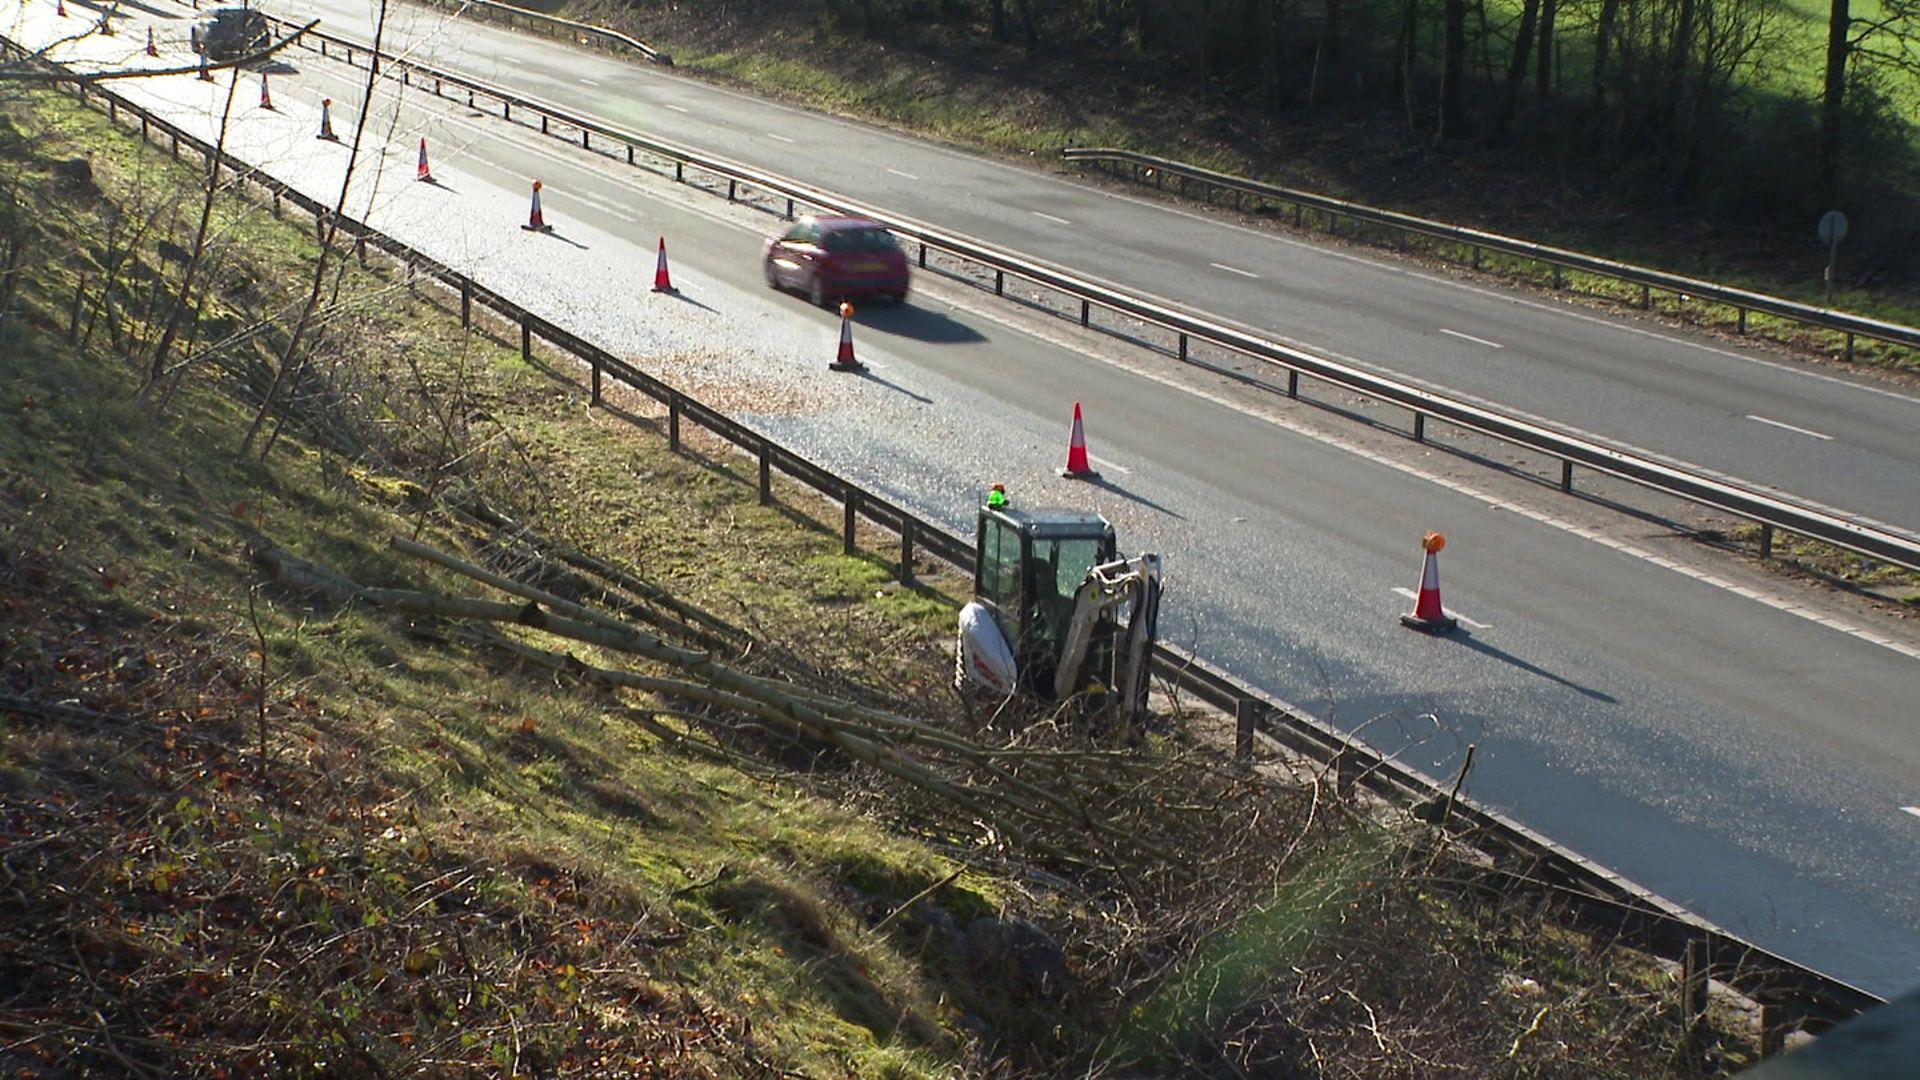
(1833, 229)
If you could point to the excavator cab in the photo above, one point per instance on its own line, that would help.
(1030, 566)
(1049, 590)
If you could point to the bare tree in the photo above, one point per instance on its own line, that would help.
(291, 358)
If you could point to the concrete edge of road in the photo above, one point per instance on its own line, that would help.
(1534, 862)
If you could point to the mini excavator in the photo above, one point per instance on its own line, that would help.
(1057, 613)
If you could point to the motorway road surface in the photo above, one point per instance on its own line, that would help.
(1751, 763)
(1846, 442)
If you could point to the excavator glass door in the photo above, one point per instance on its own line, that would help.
(1030, 565)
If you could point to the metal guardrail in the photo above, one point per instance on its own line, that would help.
(1742, 500)
(1559, 259)
(514, 15)
(1521, 858)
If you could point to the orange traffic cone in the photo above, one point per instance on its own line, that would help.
(423, 173)
(1078, 467)
(266, 95)
(326, 120)
(152, 49)
(661, 281)
(535, 221)
(845, 361)
(1427, 613)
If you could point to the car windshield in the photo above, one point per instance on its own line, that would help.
(859, 240)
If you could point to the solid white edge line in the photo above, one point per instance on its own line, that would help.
(1470, 337)
(1790, 427)
(1049, 217)
(1233, 270)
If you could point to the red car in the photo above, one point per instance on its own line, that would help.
(835, 258)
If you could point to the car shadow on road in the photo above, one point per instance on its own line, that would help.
(1465, 637)
(920, 324)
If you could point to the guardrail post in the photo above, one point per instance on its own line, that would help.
(176, 144)
(1293, 384)
(143, 125)
(852, 518)
(469, 97)
(506, 110)
(1243, 718)
(1086, 312)
(789, 209)
(1849, 345)
(1773, 1031)
(526, 337)
(596, 380)
(1693, 986)
(323, 41)
(543, 124)
(1299, 215)
(1558, 281)
(113, 111)
(733, 187)
(673, 422)
(629, 153)
(584, 144)
(1476, 256)
(1183, 346)
(1743, 319)
(923, 255)
(406, 76)
(436, 86)
(906, 550)
(1566, 476)
(680, 171)
(1766, 541)
(276, 202)
(766, 473)
(999, 282)
(466, 303)
(1419, 427)
(1646, 297)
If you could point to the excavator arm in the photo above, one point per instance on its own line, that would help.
(1134, 583)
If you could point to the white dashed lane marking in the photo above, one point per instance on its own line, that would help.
(778, 138)
(1415, 597)
(1105, 464)
(677, 108)
(1050, 217)
(908, 175)
(587, 82)
(1789, 427)
(1470, 337)
(1914, 810)
(1233, 270)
